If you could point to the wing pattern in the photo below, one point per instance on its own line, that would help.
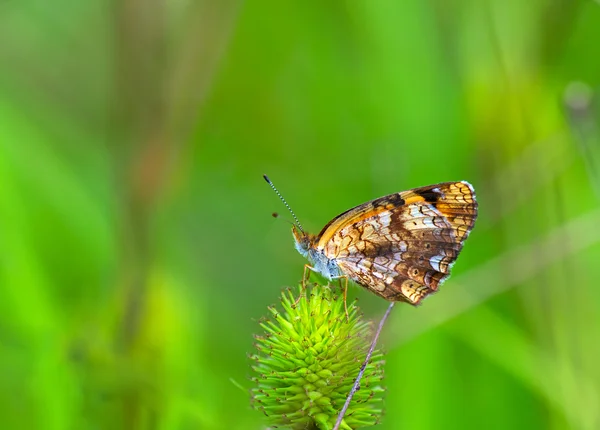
(402, 246)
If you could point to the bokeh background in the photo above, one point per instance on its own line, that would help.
(137, 248)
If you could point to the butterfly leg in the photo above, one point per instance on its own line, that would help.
(305, 277)
(346, 297)
(344, 289)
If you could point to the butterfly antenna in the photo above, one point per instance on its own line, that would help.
(284, 202)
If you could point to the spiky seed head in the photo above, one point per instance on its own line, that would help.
(307, 360)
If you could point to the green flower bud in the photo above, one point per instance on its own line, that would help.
(308, 359)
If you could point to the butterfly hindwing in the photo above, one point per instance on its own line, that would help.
(402, 246)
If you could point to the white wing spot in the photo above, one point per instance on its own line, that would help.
(385, 219)
(415, 212)
(429, 223)
(435, 262)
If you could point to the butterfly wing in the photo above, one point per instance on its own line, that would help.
(402, 246)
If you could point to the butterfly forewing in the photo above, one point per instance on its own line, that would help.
(402, 246)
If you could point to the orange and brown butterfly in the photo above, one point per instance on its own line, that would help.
(401, 246)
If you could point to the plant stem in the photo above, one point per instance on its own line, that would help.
(356, 385)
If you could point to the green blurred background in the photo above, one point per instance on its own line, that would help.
(137, 250)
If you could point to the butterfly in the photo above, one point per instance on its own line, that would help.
(401, 246)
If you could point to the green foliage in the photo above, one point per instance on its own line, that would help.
(136, 243)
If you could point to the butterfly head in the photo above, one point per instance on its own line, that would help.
(303, 241)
